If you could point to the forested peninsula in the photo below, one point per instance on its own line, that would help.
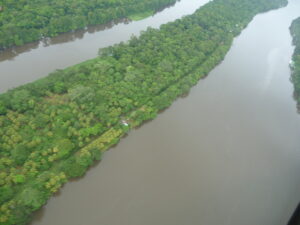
(295, 66)
(26, 21)
(53, 129)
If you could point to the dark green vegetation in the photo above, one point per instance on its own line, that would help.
(140, 16)
(295, 30)
(55, 128)
(26, 21)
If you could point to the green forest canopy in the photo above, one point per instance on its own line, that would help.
(26, 21)
(53, 129)
(295, 30)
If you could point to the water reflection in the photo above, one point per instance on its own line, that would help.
(68, 49)
(295, 97)
(227, 154)
(11, 53)
(79, 34)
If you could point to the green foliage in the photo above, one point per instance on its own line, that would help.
(5, 193)
(295, 31)
(20, 100)
(81, 94)
(21, 215)
(96, 153)
(2, 108)
(19, 154)
(64, 148)
(53, 129)
(31, 198)
(93, 130)
(73, 168)
(140, 16)
(26, 21)
(18, 179)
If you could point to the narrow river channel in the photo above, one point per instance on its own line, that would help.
(228, 153)
(30, 62)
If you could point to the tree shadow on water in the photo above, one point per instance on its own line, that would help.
(11, 53)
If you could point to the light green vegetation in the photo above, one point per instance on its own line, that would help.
(26, 21)
(53, 129)
(295, 31)
(140, 16)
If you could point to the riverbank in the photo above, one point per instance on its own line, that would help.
(72, 48)
(295, 31)
(35, 20)
(140, 16)
(228, 153)
(67, 99)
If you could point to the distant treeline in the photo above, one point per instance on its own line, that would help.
(295, 31)
(26, 21)
(53, 129)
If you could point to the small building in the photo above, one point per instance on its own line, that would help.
(125, 123)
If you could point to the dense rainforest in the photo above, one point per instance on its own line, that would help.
(53, 129)
(26, 21)
(295, 31)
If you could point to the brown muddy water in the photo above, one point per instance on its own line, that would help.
(30, 62)
(227, 154)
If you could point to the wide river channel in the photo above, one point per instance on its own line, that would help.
(227, 154)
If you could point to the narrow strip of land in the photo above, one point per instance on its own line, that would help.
(53, 129)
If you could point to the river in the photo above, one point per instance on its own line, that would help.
(228, 153)
(35, 60)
